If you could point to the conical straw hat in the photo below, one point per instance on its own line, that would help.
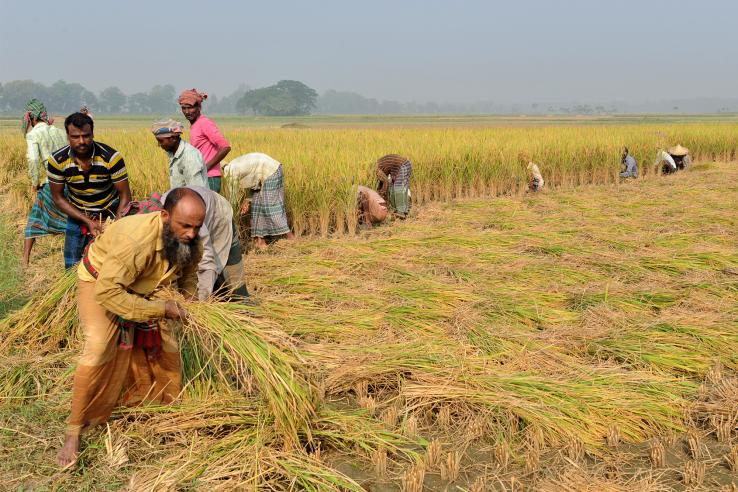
(678, 150)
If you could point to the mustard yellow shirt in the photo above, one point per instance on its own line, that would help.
(129, 259)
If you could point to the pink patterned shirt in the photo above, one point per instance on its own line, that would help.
(206, 138)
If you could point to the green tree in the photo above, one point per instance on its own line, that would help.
(227, 104)
(17, 92)
(68, 98)
(112, 100)
(162, 99)
(285, 98)
(138, 103)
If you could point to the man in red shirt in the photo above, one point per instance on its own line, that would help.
(204, 135)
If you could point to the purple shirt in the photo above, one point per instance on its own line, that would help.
(206, 138)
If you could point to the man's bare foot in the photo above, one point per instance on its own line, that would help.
(260, 243)
(69, 452)
(290, 236)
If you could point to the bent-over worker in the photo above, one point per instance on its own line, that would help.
(681, 156)
(130, 354)
(630, 164)
(666, 162)
(394, 172)
(260, 178)
(222, 260)
(535, 178)
(372, 207)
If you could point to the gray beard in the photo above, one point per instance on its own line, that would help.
(179, 254)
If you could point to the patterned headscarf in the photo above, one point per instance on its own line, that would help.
(167, 128)
(34, 109)
(192, 97)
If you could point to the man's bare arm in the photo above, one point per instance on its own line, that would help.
(124, 192)
(222, 153)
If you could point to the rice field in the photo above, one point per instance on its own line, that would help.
(323, 166)
(583, 338)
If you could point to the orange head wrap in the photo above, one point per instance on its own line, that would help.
(192, 97)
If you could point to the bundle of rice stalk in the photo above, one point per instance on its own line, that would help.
(378, 361)
(232, 346)
(243, 456)
(212, 416)
(308, 473)
(356, 429)
(671, 348)
(46, 322)
(24, 376)
(581, 404)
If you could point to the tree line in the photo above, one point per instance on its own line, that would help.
(285, 98)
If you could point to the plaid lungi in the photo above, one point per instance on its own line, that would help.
(404, 174)
(45, 218)
(74, 243)
(268, 215)
(214, 183)
(399, 193)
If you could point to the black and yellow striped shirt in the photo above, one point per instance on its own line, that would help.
(90, 191)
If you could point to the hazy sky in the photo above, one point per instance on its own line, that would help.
(463, 50)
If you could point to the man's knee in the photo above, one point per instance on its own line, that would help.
(98, 350)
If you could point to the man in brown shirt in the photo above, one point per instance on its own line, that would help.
(130, 354)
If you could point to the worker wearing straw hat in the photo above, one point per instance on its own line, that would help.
(42, 139)
(186, 166)
(221, 266)
(394, 172)
(205, 135)
(681, 156)
(130, 354)
(256, 183)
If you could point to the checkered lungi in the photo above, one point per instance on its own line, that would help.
(45, 218)
(268, 215)
(399, 192)
(404, 174)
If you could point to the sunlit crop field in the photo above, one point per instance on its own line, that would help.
(323, 166)
(583, 338)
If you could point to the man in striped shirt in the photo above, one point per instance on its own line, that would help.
(96, 180)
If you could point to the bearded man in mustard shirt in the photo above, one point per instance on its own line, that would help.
(130, 354)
